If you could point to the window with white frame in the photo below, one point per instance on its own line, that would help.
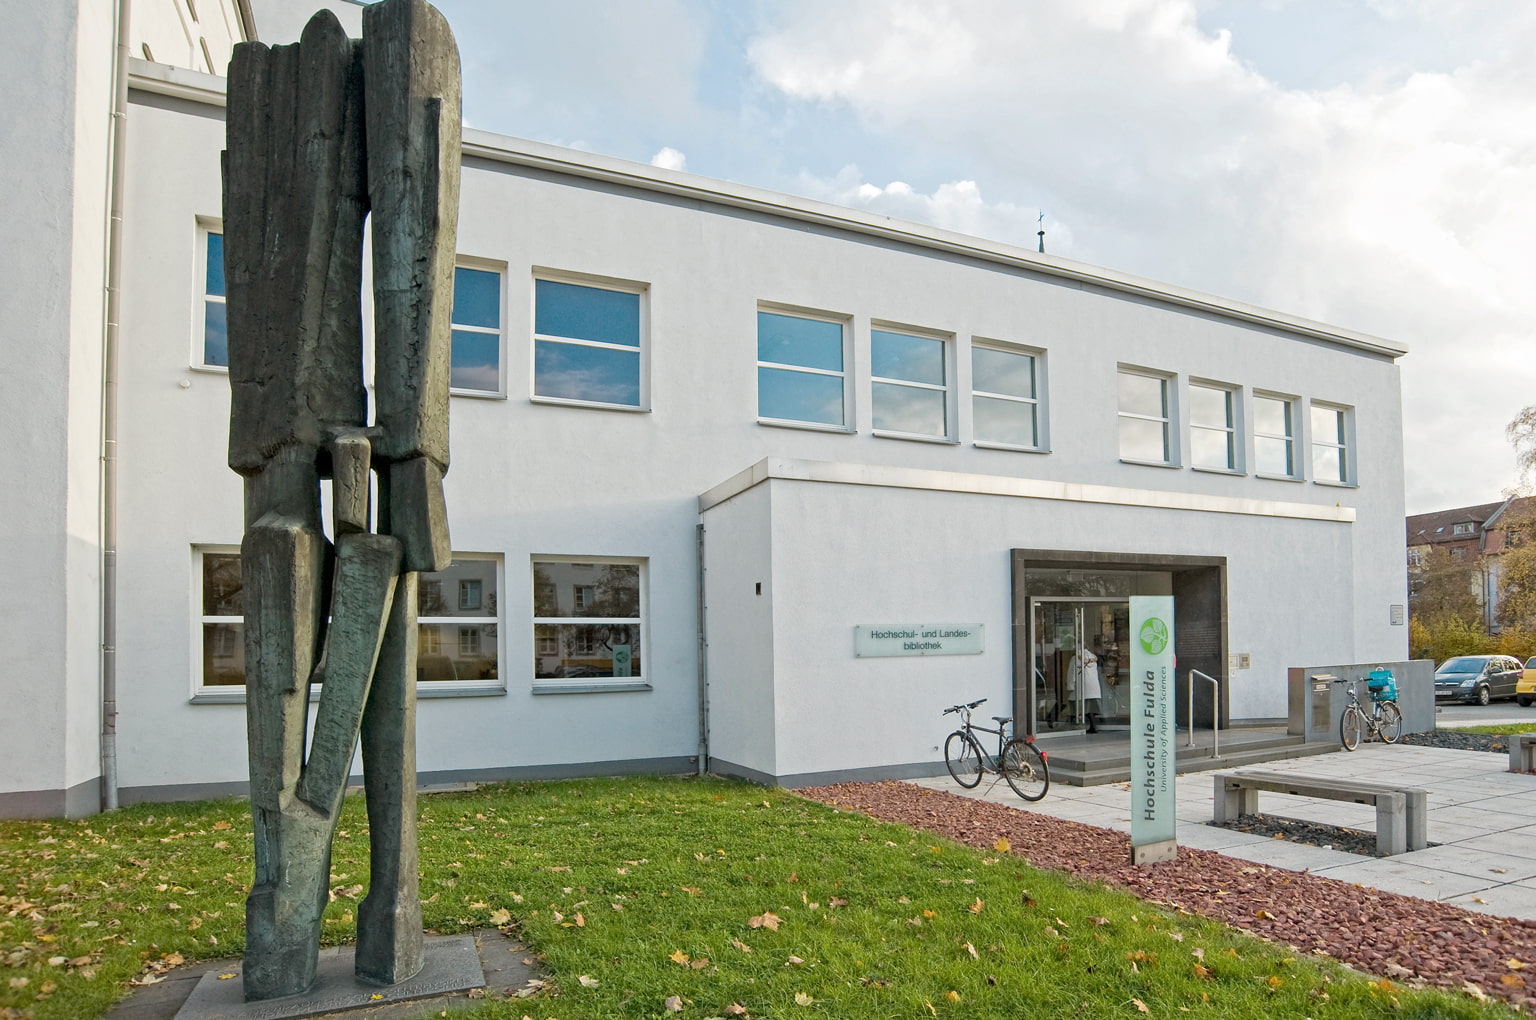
(1330, 444)
(801, 369)
(1212, 427)
(222, 619)
(1145, 416)
(588, 621)
(1462, 528)
(475, 362)
(214, 341)
(587, 344)
(1274, 435)
(1005, 396)
(456, 643)
(909, 383)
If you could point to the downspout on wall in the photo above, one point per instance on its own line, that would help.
(109, 357)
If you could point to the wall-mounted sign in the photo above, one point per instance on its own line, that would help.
(876, 639)
(1153, 730)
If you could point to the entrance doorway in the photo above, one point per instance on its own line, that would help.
(1072, 639)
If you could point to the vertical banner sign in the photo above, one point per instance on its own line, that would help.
(1153, 729)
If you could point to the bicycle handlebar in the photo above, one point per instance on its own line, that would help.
(961, 708)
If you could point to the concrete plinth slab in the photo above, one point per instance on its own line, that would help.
(452, 965)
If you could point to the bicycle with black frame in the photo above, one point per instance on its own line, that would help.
(1018, 760)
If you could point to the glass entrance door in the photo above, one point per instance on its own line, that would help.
(1081, 661)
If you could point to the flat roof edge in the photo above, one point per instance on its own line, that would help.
(167, 80)
(791, 469)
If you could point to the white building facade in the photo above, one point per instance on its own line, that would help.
(701, 435)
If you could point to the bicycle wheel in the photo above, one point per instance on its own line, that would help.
(1025, 769)
(963, 759)
(1351, 725)
(1391, 725)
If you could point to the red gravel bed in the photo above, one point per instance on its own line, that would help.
(1410, 940)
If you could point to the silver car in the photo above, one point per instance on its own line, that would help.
(1477, 678)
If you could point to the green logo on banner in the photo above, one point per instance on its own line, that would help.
(1154, 636)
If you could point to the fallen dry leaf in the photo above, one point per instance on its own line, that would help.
(1514, 964)
(802, 999)
(741, 945)
(679, 957)
(501, 916)
(767, 919)
(1474, 991)
(735, 1009)
(1002, 845)
(952, 995)
(587, 982)
(673, 1004)
(972, 950)
(1140, 1005)
(976, 907)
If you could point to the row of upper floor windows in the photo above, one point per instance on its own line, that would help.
(590, 349)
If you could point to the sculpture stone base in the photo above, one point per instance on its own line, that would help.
(452, 964)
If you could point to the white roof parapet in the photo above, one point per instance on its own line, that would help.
(496, 148)
(790, 469)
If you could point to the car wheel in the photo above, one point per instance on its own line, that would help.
(1523, 701)
(1484, 695)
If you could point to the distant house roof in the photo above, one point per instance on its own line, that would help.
(1439, 526)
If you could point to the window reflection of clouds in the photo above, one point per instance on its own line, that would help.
(586, 313)
(1143, 440)
(799, 396)
(907, 409)
(792, 340)
(910, 358)
(1005, 421)
(576, 372)
(1005, 372)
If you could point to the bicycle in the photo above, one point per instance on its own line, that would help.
(1018, 760)
(1383, 721)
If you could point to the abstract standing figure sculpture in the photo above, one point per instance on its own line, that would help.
(321, 135)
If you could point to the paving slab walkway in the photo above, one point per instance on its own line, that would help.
(1482, 816)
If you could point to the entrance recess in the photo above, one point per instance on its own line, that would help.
(1060, 628)
(1062, 596)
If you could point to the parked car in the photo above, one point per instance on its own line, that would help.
(1525, 690)
(1478, 678)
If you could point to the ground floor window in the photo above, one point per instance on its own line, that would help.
(588, 621)
(458, 634)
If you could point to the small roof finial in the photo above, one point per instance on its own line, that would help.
(1041, 232)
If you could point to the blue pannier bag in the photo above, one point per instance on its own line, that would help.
(1382, 684)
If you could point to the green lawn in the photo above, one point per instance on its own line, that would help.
(1497, 729)
(726, 896)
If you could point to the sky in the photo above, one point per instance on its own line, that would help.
(1367, 163)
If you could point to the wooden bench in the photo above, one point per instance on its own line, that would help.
(1522, 752)
(1401, 822)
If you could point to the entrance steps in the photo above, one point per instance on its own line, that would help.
(1080, 759)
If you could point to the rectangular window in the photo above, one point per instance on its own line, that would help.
(1274, 435)
(1144, 418)
(464, 637)
(587, 344)
(909, 386)
(456, 644)
(475, 363)
(215, 331)
(588, 623)
(1330, 444)
(1005, 400)
(1212, 427)
(222, 620)
(800, 370)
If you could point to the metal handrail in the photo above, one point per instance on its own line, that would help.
(1215, 710)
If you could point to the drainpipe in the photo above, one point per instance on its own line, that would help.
(109, 415)
(703, 647)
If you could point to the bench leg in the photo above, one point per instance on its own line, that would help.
(1391, 823)
(1522, 752)
(1233, 799)
(1417, 802)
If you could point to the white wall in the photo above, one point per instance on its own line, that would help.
(846, 555)
(53, 237)
(196, 37)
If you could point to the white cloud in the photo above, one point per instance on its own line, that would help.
(670, 159)
(1399, 204)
